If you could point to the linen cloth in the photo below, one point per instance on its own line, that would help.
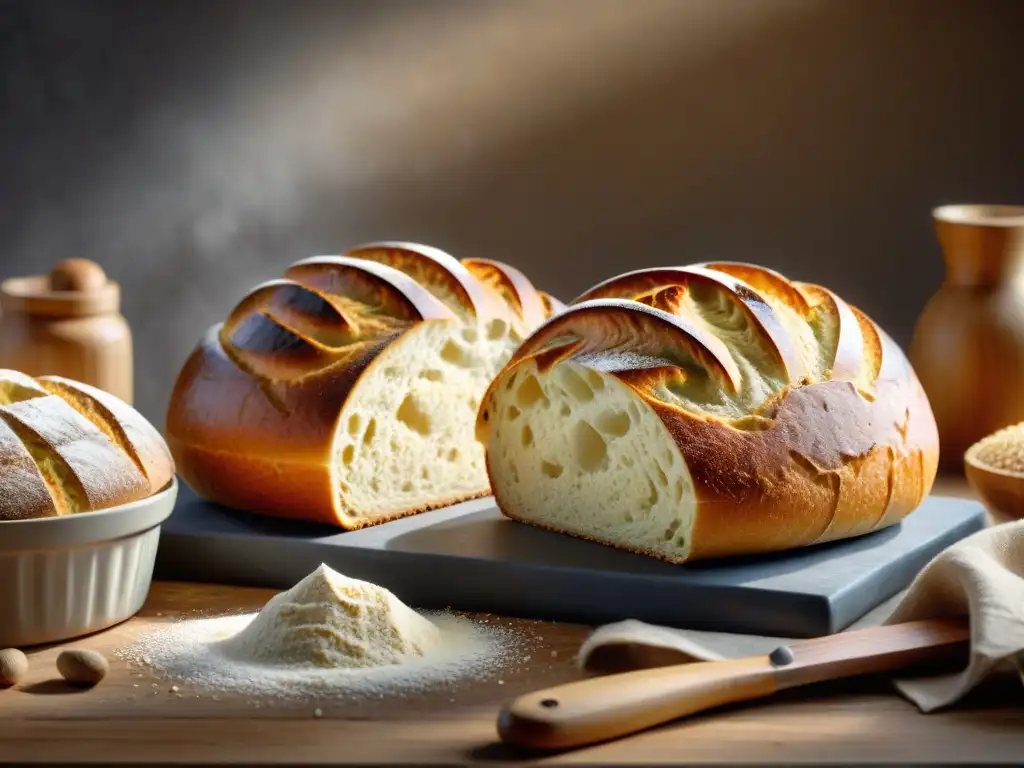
(980, 578)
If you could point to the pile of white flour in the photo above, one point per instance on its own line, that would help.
(327, 634)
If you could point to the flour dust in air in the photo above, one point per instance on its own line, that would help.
(327, 634)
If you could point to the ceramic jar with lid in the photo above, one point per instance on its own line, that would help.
(67, 323)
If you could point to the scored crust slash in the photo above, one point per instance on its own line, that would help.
(346, 391)
(706, 411)
(68, 447)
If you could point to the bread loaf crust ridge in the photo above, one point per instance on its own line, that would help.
(68, 448)
(787, 417)
(302, 403)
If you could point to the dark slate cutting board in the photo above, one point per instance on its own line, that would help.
(467, 557)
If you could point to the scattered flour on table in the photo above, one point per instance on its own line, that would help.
(329, 634)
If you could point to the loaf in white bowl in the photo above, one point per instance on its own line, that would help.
(346, 392)
(85, 483)
(708, 411)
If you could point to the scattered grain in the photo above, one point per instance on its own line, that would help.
(1002, 450)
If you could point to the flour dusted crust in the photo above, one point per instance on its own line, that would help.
(66, 448)
(710, 410)
(122, 424)
(346, 391)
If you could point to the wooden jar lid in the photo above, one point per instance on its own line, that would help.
(74, 288)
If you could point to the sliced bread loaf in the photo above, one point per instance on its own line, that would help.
(704, 411)
(346, 391)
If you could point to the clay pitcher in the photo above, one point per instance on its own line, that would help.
(968, 345)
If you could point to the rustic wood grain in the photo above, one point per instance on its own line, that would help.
(133, 717)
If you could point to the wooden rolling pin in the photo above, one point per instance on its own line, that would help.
(602, 708)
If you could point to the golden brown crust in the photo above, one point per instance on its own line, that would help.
(294, 489)
(331, 312)
(513, 286)
(25, 494)
(851, 452)
(271, 456)
(832, 464)
(850, 351)
(643, 282)
(440, 273)
(254, 413)
(90, 472)
(66, 447)
(636, 333)
(766, 282)
(384, 290)
(552, 306)
(260, 445)
(125, 426)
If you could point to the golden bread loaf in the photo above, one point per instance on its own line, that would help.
(705, 411)
(346, 392)
(67, 447)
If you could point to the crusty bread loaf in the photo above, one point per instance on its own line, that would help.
(708, 411)
(346, 392)
(67, 447)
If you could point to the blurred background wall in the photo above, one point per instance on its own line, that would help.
(196, 148)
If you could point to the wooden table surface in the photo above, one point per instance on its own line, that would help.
(134, 717)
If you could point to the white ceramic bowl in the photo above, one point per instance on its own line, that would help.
(63, 577)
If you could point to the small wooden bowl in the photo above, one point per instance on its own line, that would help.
(1000, 490)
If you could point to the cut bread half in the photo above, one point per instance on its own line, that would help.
(575, 450)
(346, 392)
(707, 411)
